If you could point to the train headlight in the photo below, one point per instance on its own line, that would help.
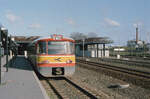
(69, 61)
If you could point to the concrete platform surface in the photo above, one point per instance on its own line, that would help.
(20, 82)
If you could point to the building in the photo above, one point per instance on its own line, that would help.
(93, 47)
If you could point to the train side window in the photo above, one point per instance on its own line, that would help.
(41, 48)
(70, 48)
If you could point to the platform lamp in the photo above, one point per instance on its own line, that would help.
(5, 31)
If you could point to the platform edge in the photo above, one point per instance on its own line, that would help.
(41, 87)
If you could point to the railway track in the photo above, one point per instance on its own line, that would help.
(67, 88)
(138, 58)
(125, 61)
(144, 63)
(130, 75)
(119, 69)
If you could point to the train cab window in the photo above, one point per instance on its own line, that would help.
(41, 48)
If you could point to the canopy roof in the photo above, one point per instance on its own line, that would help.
(95, 40)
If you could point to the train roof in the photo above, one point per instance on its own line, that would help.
(54, 38)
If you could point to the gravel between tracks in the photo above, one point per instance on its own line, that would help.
(68, 90)
(102, 82)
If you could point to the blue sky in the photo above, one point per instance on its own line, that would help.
(116, 19)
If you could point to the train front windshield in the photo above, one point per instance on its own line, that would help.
(55, 47)
(60, 47)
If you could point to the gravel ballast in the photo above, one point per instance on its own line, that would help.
(102, 82)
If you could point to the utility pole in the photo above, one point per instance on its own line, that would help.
(137, 35)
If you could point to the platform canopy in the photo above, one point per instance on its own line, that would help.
(95, 40)
(24, 39)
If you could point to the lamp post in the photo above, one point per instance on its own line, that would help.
(83, 47)
(6, 32)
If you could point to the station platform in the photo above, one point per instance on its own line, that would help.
(20, 82)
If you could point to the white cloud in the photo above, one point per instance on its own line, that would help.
(35, 26)
(12, 17)
(111, 22)
(70, 21)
